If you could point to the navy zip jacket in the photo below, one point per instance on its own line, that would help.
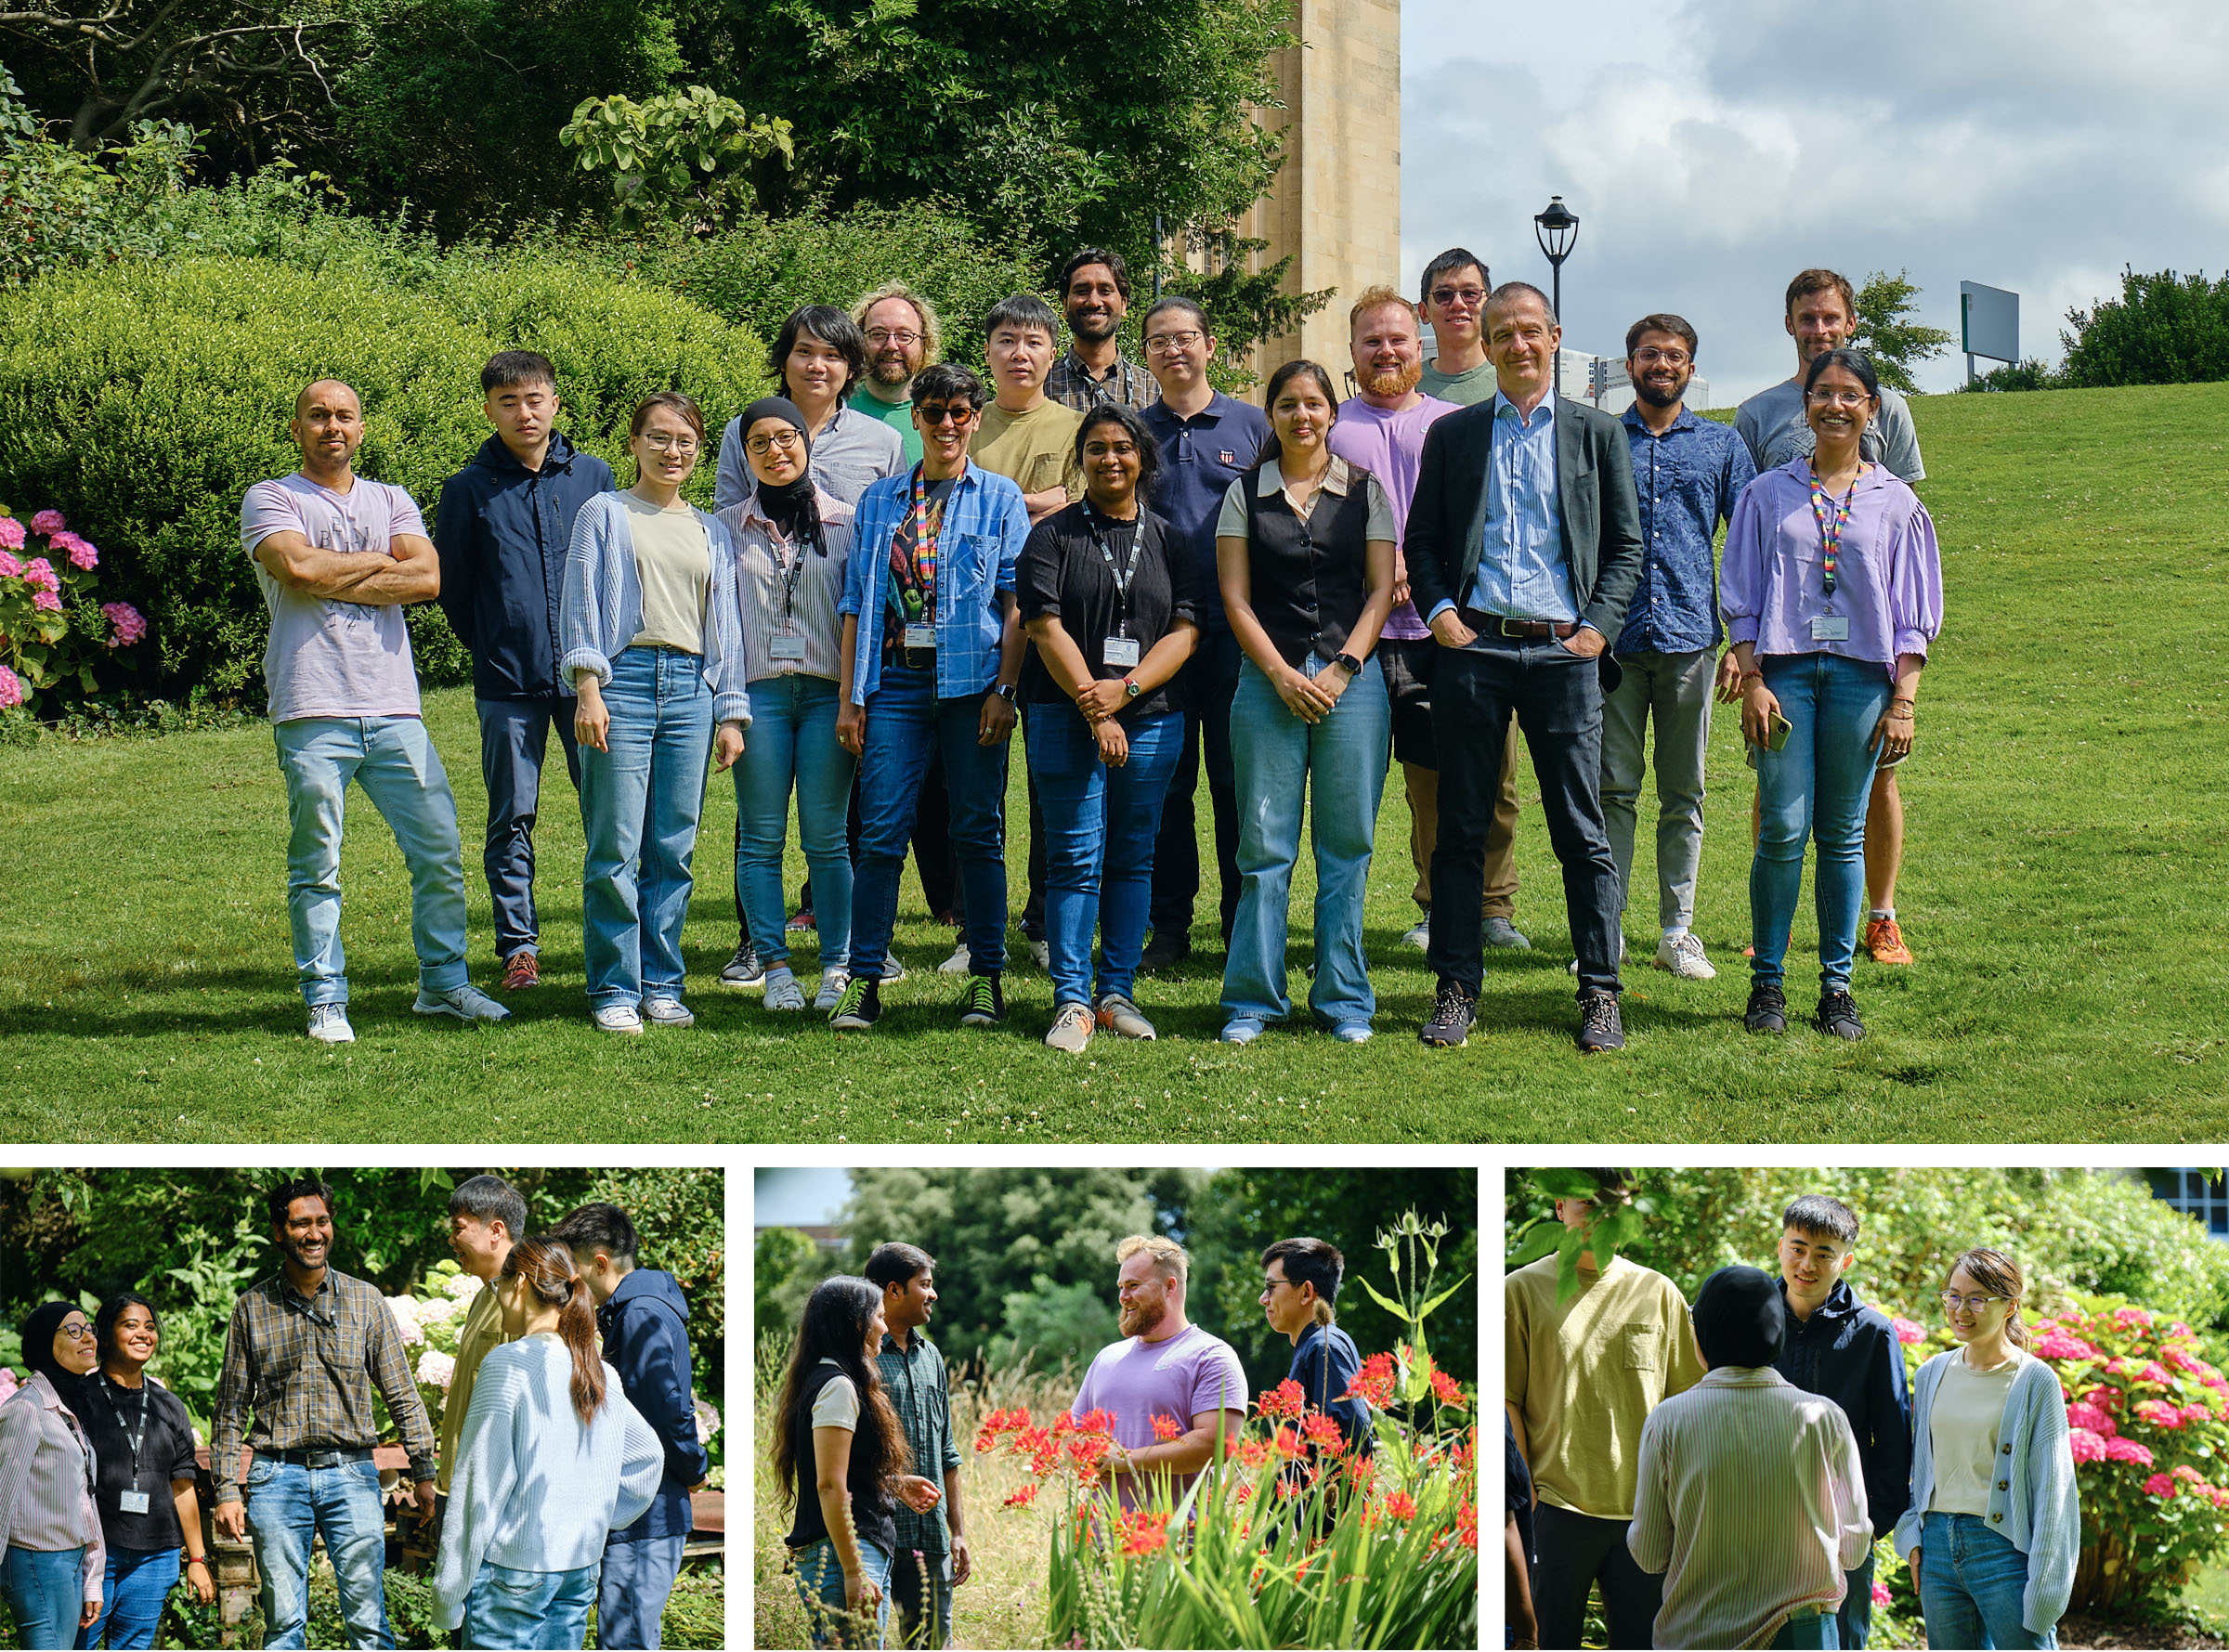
(645, 1323)
(1848, 1353)
(502, 532)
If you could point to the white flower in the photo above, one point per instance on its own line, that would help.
(708, 1420)
(438, 1310)
(436, 1368)
(405, 1309)
(462, 1286)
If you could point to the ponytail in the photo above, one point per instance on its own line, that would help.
(545, 1267)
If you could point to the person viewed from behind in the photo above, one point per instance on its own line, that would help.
(1095, 292)
(644, 1320)
(1750, 1501)
(304, 1353)
(1304, 551)
(487, 1217)
(1112, 609)
(552, 1460)
(1522, 1628)
(1832, 585)
(792, 541)
(502, 530)
(840, 1455)
(1995, 1525)
(338, 556)
(931, 1555)
(653, 643)
(151, 1509)
(902, 334)
(53, 1557)
(1300, 1280)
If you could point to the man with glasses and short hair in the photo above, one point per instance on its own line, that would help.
(903, 336)
(1095, 291)
(933, 1550)
(1300, 1283)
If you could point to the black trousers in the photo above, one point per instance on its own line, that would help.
(1206, 686)
(1577, 1550)
(932, 856)
(1556, 697)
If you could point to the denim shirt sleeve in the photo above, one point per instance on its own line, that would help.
(724, 659)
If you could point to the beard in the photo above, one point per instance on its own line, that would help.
(1657, 396)
(1394, 381)
(1138, 1320)
(1095, 329)
(893, 367)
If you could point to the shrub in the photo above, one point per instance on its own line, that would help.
(52, 631)
(2163, 329)
(2030, 374)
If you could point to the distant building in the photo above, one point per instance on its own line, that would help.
(827, 1237)
(2195, 1192)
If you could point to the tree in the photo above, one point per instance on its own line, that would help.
(2163, 329)
(684, 152)
(785, 1267)
(1896, 345)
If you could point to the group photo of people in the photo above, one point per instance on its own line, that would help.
(260, 1438)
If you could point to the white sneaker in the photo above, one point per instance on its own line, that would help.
(892, 969)
(833, 982)
(955, 964)
(669, 1012)
(1419, 934)
(1071, 1028)
(1040, 954)
(1241, 1028)
(329, 1025)
(1684, 958)
(783, 990)
(467, 1003)
(618, 1017)
(1121, 1016)
(1625, 957)
(1500, 931)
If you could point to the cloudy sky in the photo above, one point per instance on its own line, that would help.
(1713, 147)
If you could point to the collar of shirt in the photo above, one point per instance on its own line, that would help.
(1074, 364)
(287, 1291)
(1505, 409)
(1744, 1376)
(1337, 480)
(1689, 419)
(1160, 411)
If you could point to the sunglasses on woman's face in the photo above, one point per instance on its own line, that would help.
(956, 414)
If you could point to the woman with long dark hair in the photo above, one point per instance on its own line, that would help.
(834, 1421)
(552, 1461)
(54, 1557)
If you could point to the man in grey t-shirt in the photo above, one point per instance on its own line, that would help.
(337, 556)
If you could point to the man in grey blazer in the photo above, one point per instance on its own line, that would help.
(1523, 549)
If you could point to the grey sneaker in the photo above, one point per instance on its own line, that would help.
(467, 1003)
(1500, 931)
(669, 1012)
(1419, 934)
(1684, 958)
(783, 990)
(618, 1017)
(1625, 957)
(1241, 1028)
(743, 970)
(955, 964)
(892, 970)
(833, 982)
(1040, 954)
(1351, 1032)
(1071, 1028)
(1119, 1015)
(329, 1025)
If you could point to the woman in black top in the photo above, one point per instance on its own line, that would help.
(1112, 614)
(834, 1419)
(1304, 552)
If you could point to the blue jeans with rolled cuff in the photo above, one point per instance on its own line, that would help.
(290, 1503)
(792, 744)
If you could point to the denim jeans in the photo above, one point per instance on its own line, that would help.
(904, 723)
(1972, 1584)
(1854, 1620)
(1819, 1632)
(1099, 827)
(43, 1592)
(289, 1503)
(1815, 788)
(1209, 680)
(793, 742)
(820, 1586)
(640, 803)
(1674, 690)
(530, 1609)
(1281, 761)
(515, 738)
(138, 1580)
(631, 1596)
(396, 763)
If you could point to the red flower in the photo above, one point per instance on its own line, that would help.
(1449, 1390)
(1252, 1452)
(1322, 1431)
(1466, 1525)
(1023, 1498)
(1096, 1422)
(1166, 1428)
(1374, 1383)
(1401, 1506)
(1284, 1400)
(1142, 1533)
(1288, 1443)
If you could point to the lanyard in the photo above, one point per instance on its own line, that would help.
(789, 576)
(134, 1441)
(1830, 523)
(1124, 575)
(924, 542)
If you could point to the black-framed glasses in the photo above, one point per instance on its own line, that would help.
(1268, 1284)
(762, 445)
(1953, 1302)
(956, 412)
(77, 1330)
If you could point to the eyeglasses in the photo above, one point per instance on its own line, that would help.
(76, 1330)
(759, 445)
(1952, 1301)
(1648, 356)
(956, 414)
(682, 445)
(1164, 343)
(885, 335)
(1268, 1284)
(1453, 295)
(1837, 398)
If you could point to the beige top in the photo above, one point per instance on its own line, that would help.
(1034, 450)
(1961, 1430)
(673, 560)
(482, 1334)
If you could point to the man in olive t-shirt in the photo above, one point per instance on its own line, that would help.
(1026, 437)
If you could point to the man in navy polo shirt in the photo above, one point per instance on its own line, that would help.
(1206, 440)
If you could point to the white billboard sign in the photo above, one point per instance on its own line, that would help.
(1988, 321)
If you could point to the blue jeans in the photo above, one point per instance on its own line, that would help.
(640, 803)
(1972, 1584)
(792, 741)
(1816, 1633)
(137, 1583)
(289, 1503)
(1099, 827)
(43, 1592)
(1211, 676)
(515, 738)
(820, 1582)
(528, 1609)
(631, 1596)
(396, 763)
(904, 723)
(1280, 760)
(1854, 1621)
(1815, 788)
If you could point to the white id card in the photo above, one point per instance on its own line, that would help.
(133, 1502)
(785, 646)
(1120, 651)
(920, 635)
(1830, 627)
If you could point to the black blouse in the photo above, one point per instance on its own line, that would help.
(111, 1416)
(1065, 573)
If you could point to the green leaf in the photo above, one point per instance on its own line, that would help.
(1557, 1182)
(1391, 1307)
(1542, 1238)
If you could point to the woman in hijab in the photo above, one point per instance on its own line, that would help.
(54, 1560)
(792, 537)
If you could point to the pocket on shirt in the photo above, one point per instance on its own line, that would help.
(1643, 1343)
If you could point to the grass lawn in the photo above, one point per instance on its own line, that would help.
(2064, 893)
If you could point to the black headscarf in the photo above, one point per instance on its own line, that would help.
(792, 508)
(1738, 1318)
(39, 1327)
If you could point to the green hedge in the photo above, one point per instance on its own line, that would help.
(144, 399)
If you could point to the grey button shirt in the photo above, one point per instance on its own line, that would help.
(763, 560)
(849, 451)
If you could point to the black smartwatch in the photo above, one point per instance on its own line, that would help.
(1354, 666)
(1005, 691)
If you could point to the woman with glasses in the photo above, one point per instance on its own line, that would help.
(651, 638)
(55, 1558)
(1995, 1525)
(1832, 588)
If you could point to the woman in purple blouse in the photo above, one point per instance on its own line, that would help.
(1833, 587)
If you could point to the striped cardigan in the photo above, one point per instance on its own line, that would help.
(2035, 1506)
(600, 608)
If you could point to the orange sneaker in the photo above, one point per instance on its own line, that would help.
(1886, 941)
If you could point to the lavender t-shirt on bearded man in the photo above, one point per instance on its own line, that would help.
(1187, 1375)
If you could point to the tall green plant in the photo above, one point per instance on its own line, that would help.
(1615, 1223)
(1886, 331)
(689, 150)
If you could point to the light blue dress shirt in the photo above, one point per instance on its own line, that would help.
(1522, 572)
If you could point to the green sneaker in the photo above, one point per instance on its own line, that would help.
(860, 1007)
(983, 1002)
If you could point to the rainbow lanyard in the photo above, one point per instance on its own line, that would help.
(924, 543)
(1830, 523)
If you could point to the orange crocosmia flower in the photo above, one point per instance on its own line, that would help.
(1466, 1525)
(1023, 1498)
(1143, 1534)
(1252, 1452)
(1401, 1506)
(1375, 1382)
(1322, 1431)
(1284, 1400)
(1245, 1490)
(1096, 1422)
(1288, 1443)
(1449, 1390)
(1165, 1428)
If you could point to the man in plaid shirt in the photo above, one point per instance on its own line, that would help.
(1095, 293)
(304, 1351)
(932, 1553)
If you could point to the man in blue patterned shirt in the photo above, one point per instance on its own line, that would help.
(933, 1550)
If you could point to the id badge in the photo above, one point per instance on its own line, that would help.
(787, 645)
(920, 634)
(1830, 627)
(1121, 651)
(133, 1502)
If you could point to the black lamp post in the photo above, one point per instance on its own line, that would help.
(1558, 227)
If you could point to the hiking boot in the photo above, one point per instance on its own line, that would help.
(1838, 1015)
(860, 1007)
(1684, 958)
(1599, 1026)
(743, 970)
(1768, 1010)
(522, 971)
(1119, 1015)
(1884, 942)
(467, 1003)
(1500, 931)
(1071, 1028)
(983, 1002)
(1453, 1012)
(1165, 952)
(329, 1023)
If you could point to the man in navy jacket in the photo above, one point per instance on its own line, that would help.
(1837, 1348)
(504, 525)
(644, 1320)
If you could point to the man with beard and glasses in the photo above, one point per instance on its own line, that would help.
(305, 1349)
(903, 336)
(1095, 292)
(1178, 1394)
(1688, 471)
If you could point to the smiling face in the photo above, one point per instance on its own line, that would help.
(1111, 465)
(328, 424)
(1976, 1324)
(666, 447)
(480, 1246)
(1456, 304)
(1141, 1295)
(1811, 1263)
(910, 1303)
(1302, 416)
(1177, 345)
(877, 1327)
(897, 345)
(1389, 354)
(75, 1349)
(776, 450)
(1838, 406)
(1095, 305)
(133, 1335)
(814, 371)
(1521, 342)
(1818, 323)
(305, 1237)
(1660, 368)
(945, 427)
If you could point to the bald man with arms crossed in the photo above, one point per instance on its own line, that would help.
(338, 555)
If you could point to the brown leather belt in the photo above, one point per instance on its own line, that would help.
(1535, 630)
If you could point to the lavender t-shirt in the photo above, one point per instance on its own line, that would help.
(1388, 443)
(1191, 1373)
(327, 658)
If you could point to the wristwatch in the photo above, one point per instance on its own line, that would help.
(1005, 691)
(1129, 688)
(1354, 666)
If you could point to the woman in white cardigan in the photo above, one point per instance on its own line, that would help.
(1995, 1524)
(552, 1461)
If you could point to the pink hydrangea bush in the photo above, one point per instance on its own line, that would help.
(50, 637)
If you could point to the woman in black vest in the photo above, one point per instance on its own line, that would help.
(1304, 552)
(835, 1420)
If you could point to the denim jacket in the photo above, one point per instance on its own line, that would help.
(984, 528)
(601, 609)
